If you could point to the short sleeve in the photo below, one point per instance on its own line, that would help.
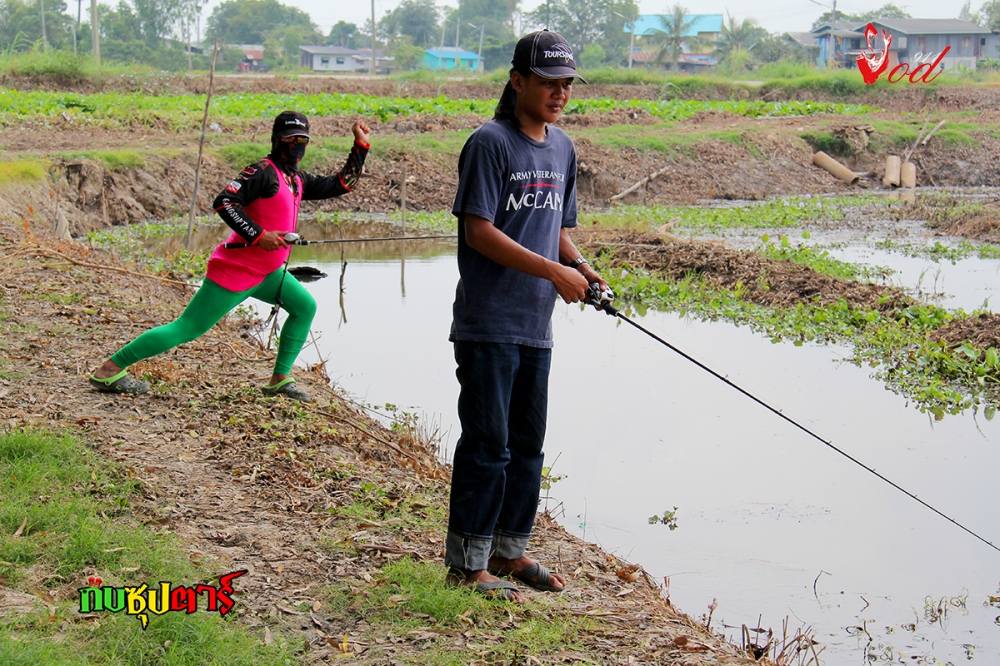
(481, 168)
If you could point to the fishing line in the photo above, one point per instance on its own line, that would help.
(602, 301)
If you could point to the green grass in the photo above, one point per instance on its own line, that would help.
(74, 508)
(67, 68)
(184, 111)
(7, 372)
(64, 67)
(656, 138)
(411, 596)
(836, 83)
(771, 214)
(22, 171)
(409, 515)
(330, 153)
(112, 159)
(899, 134)
(938, 251)
(819, 260)
(828, 143)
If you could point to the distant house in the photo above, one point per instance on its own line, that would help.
(344, 60)
(702, 30)
(838, 42)
(450, 57)
(252, 59)
(912, 39)
(915, 38)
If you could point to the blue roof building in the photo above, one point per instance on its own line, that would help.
(699, 24)
(704, 28)
(450, 57)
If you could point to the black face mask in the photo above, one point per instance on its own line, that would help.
(288, 154)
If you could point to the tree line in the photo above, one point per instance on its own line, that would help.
(158, 32)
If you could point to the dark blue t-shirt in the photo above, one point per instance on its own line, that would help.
(527, 189)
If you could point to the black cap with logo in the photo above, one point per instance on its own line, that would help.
(290, 123)
(547, 54)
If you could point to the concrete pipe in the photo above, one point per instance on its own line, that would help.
(831, 165)
(892, 168)
(908, 175)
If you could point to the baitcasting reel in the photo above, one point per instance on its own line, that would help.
(601, 299)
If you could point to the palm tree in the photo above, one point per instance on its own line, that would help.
(737, 36)
(671, 37)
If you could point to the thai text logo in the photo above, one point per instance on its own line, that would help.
(143, 600)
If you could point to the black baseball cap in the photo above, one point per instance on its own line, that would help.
(547, 54)
(290, 123)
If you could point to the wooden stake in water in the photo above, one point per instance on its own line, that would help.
(201, 146)
(402, 248)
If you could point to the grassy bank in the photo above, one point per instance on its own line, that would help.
(64, 515)
(939, 379)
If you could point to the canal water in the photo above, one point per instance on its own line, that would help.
(771, 524)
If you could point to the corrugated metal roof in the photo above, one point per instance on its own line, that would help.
(330, 50)
(835, 26)
(803, 38)
(650, 24)
(929, 26)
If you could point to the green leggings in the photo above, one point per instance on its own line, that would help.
(211, 303)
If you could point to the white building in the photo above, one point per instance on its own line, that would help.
(340, 59)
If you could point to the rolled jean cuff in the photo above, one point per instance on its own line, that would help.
(469, 553)
(509, 546)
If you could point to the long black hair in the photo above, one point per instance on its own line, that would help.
(507, 105)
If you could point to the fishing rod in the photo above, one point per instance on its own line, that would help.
(292, 238)
(601, 299)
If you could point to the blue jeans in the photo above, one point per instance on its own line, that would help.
(497, 472)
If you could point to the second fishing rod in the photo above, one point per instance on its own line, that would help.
(292, 238)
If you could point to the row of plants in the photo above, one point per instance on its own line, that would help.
(186, 110)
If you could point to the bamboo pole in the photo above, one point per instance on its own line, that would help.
(201, 146)
(632, 188)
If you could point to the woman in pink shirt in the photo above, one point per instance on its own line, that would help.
(260, 205)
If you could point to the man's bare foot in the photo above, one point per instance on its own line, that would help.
(486, 583)
(528, 571)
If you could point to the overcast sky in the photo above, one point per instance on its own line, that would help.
(775, 15)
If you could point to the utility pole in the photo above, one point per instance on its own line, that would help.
(631, 44)
(371, 69)
(458, 22)
(45, 39)
(479, 56)
(95, 31)
(76, 29)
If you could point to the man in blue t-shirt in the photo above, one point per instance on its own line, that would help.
(515, 203)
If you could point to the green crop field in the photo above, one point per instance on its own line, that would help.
(186, 110)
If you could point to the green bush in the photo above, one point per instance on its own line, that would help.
(56, 65)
